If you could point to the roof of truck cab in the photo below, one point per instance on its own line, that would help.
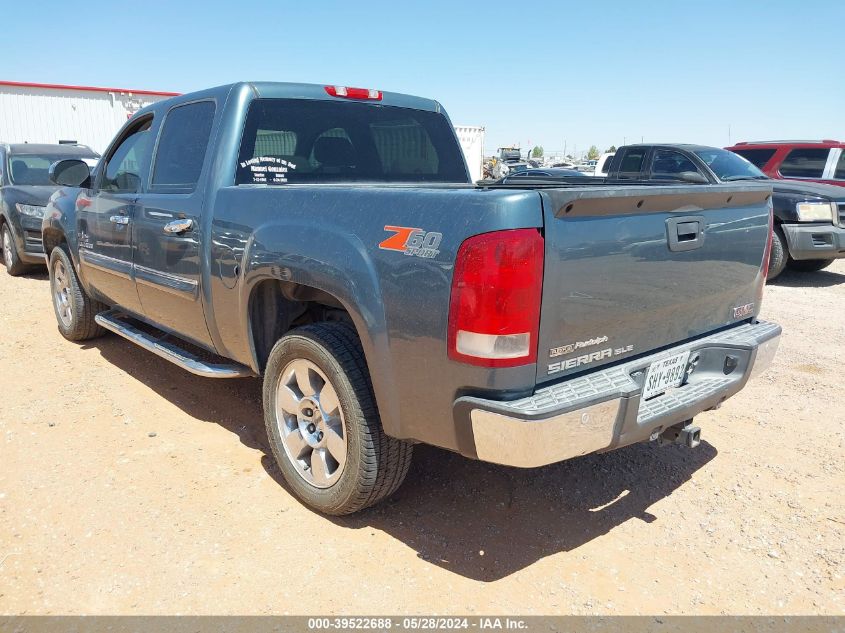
(71, 149)
(690, 147)
(283, 90)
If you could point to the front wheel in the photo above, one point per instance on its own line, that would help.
(809, 265)
(75, 310)
(778, 254)
(14, 265)
(323, 424)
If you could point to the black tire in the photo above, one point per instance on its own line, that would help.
(778, 256)
(809, 265)
(65, 290)
(11, 259)
(375, 464)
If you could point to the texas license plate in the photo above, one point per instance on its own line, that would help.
(663, 374)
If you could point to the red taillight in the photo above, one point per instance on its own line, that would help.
(354, 93)
(494, 312)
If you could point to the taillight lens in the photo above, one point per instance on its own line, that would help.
(494, 312)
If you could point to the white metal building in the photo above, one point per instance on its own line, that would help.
(49, 113)
(471, 139)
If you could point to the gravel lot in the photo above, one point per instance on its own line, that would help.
(128, 486)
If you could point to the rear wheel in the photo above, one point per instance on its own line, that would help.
(778, 256)
(323, 424)
(14, 265)
(74, 309)
(809, 265)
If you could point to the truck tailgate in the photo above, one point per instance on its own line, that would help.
(629, 271)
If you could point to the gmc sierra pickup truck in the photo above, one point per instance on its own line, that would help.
(330, 240)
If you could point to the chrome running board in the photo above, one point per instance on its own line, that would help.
(117, 322)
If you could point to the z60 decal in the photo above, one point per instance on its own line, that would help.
(412, 241)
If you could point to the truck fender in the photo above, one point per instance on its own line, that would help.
(337, 263)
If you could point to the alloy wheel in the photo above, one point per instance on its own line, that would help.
(62, 293)
(310, 423)
(7, 248)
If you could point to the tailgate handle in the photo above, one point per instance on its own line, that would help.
(688, 231)
(685, 234)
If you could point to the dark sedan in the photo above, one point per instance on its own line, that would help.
(544, 173)
(25, 188)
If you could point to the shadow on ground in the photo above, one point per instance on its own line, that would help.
(37, 273)
(819, 279)
(450, 508)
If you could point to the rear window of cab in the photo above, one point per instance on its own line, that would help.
(290, 141)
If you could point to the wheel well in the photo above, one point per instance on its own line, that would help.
(51, 238)
(278, 306)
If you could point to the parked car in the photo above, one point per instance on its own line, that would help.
(809, 230)
(587, 167)
(25, 188)
(330, 240)
(509, 160)
(546, 172)
(819, 161)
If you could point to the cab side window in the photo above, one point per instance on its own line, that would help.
(757, 157)
(804, 162)
(182, 147)
(669, 165)
(122, 173)
(631, 164)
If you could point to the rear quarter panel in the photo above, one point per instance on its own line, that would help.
(328, 237)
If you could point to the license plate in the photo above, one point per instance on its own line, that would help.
(663, 374)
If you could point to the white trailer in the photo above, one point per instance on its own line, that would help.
(49, 113)
(471, 138)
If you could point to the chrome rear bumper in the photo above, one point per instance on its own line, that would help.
(603, 410)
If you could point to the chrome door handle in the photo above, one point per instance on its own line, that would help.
(178, 226)
(119, 219)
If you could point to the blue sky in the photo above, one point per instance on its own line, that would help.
(552, 73)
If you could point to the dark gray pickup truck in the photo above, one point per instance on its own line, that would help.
(809, 229)
(329, 239)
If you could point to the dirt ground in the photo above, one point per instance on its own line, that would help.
(128, 486)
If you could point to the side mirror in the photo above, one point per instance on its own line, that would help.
(693, 177)
(70, 172)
